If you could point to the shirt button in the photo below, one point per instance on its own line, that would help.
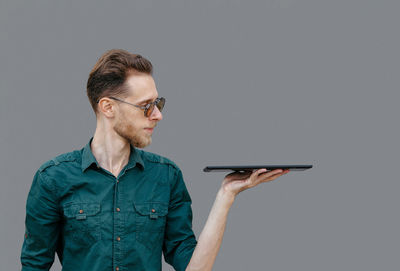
(81, 211)
(118, 209)
(118, 238)
(153, 211)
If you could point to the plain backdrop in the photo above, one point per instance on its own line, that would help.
(277, 81)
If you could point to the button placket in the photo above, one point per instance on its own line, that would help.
(117, 225)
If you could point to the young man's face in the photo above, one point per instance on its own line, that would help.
(130, 123)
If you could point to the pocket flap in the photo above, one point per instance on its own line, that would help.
(152, 208)
(81, 209)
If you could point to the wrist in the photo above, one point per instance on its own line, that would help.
(226, 196)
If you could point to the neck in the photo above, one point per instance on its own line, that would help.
(110, 150)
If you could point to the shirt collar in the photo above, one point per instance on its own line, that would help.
(88, 158)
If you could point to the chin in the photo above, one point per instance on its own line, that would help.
(142, 143)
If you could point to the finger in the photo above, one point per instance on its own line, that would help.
(257, 176)
(272, 172)
(272, 177)
(259, 171)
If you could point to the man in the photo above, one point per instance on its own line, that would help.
(112, 206)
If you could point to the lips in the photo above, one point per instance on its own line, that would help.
(151, 128)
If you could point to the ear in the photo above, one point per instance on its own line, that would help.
(107, 107)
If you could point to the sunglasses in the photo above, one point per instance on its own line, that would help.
(148, 108)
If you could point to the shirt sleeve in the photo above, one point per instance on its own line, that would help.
(41, 225)
(179, 240)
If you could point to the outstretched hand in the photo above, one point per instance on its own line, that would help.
(210, 238)
(237, 182)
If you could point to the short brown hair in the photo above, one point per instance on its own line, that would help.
(109, 74)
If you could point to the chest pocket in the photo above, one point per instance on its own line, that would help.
(150, 219)
(82, 223)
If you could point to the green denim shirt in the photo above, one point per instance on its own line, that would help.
(95, 221)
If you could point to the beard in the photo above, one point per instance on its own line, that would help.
(135, 136)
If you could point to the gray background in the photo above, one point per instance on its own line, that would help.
(283, 81)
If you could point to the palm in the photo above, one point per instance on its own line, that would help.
(237, 182)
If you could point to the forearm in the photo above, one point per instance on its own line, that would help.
(210, 239)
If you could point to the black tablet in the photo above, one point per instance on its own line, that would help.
(252, 167)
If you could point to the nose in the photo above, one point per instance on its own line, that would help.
(156, 114)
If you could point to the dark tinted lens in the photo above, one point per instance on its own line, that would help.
(160, 104)
(149, 110)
